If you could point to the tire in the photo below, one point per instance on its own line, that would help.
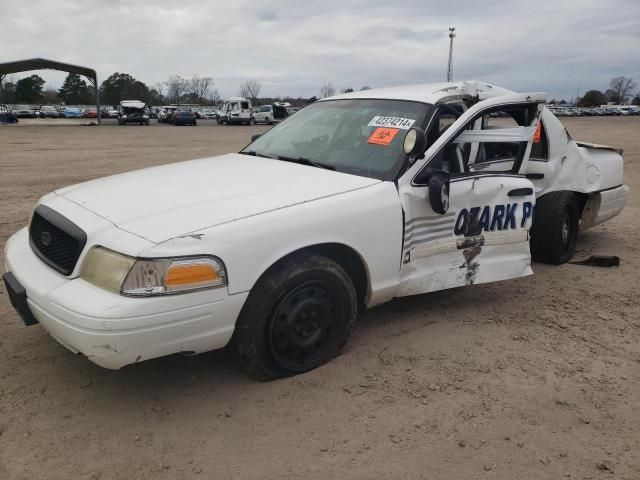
(439, 194)
(218, 121)
(266, 121)
(555, 228)
(298, 316)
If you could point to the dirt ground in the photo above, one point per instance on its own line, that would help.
(530, 378)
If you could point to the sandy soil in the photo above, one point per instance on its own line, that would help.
(531, 378)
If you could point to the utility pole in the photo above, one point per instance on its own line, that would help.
(450, 67)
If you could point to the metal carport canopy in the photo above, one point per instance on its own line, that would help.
(44, 64)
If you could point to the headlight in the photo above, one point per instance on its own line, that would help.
(144, 277)
(106, 268)
(124, 116)
(173, 275)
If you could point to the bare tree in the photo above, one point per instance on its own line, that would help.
(620, 88)
(160, 87)
(200, 87)
(214, 97)
(50, 95)
(176, 88)
(250, 89)
(327, 90)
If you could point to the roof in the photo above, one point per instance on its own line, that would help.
(44, 64)
(429, 92)
(133, 104)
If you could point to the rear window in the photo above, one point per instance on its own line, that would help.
(244, 105)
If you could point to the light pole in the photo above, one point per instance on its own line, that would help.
(452, 34)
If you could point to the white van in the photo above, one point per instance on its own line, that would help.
(268, 114)
(235, 110)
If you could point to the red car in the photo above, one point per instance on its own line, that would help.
(91, 113)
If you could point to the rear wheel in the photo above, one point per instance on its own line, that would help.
(298, 316)
(266, 121)
(555, 227)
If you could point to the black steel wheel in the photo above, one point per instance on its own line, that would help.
(297, 317)
(302, 328)
(555, 227)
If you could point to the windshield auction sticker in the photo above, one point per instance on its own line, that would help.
(383, 136)
(391, 122)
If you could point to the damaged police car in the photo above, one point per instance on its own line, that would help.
(272, 251)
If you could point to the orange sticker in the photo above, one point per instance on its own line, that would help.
(538, 135)
(382, 136)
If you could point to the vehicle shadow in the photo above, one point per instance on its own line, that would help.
(214, 369)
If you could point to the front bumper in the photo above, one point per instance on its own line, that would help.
(112, 330)
(184, 121)
(134, 120)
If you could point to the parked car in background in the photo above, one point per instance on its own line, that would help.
(235, 110)
(24, 111)
(627, 109)
(184, 117)
(112, 112)
(165, 115)
(48, 111)
(72, 112)
(90, 112)
(7, 116)
(268, 114)
(208, 113)
(133, 111)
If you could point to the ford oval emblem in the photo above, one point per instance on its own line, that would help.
(45, 238)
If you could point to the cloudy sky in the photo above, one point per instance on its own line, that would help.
(294, 47)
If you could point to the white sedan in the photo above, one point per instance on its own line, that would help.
(273, 251)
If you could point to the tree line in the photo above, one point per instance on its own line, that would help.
(621, 89)
(200, 90)
(117, 87)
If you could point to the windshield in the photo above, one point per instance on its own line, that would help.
(132, 110)
(360, 136)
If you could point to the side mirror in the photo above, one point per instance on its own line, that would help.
(255, 137)
(415, 142)
(439, 192)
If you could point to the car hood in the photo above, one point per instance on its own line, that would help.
(167, 201)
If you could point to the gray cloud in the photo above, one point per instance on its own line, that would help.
(293, 47)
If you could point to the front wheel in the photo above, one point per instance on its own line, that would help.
(298, 316)
(267, 121)
(555, 227)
